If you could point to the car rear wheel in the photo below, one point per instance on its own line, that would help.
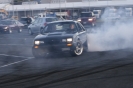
(9, 31)
(78, 49)
(19, 30)
(30, 32)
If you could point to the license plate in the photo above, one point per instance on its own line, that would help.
(65, 49)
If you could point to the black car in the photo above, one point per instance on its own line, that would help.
(7, 26)
(61, 36)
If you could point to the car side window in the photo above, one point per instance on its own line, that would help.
(49, 19)
(79, 28)
(45, 30)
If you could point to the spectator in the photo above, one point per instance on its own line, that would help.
(29, 20)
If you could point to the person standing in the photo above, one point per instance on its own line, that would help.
(29, 20)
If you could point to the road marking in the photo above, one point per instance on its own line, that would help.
(17, 44)
(15, 63)
(15, 56)
(17, 38)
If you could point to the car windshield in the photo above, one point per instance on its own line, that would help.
(23, 19)
(59, 27)
(95, 12)
(50, 19)
(6, 22)
(86, 14)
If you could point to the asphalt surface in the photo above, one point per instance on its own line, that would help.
(19, 69)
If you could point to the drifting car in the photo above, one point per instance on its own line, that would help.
(7, 26)
(61, 36)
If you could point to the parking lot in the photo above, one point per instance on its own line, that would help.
(18, 67)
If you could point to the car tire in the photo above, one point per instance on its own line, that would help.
(78, 49)
(93, 24)
(30, 32)
(9, 31)
(19, 30)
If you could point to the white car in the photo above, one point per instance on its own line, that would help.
(39, 24)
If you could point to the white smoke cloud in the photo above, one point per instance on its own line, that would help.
(112, 35)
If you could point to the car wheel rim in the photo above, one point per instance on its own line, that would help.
(10, 31)
(79, 49)
(20, 30)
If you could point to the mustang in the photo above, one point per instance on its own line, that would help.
(61, 36)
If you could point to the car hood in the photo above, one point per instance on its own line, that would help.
(86, 17)
(59, 35)
(1, 25)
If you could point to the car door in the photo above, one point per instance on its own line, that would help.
(33, 25)
(82, 33)
(38, 25)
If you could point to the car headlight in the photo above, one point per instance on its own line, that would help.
(5, 27)
(69, 39)
(38, 42)
(90, 19)
(79, 20)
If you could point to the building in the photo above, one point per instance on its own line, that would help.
(64, 5)
(5, 1)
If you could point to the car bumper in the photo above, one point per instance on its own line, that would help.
(3, 30)
(87, 23)
(53, 48)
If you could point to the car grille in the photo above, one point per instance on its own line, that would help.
(52, 41)
(84, 20)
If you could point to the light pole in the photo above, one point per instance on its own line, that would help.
(60, 7)
(89, 4)
(13, 7)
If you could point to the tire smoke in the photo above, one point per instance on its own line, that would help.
(115, 33)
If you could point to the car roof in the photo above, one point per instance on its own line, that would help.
(8, 20)
(87, 12)
(46, 17)
(62, 21)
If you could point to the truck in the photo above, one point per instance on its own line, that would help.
(97, 13)
(87, 19)
(128, 11)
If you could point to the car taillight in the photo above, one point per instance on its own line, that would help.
(45, 24)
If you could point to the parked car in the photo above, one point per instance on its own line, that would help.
(7, 26)
(39, 24)
(87, 18)
(24, 21)
(61, 36)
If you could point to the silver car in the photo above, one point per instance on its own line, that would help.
(39, 24)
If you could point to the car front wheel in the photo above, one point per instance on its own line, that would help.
(30, 32)
(78, 49)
